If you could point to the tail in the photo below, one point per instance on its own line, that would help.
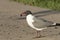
(54, 24)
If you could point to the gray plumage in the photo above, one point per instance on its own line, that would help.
(41, 23)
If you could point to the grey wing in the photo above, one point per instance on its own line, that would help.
(41, 23)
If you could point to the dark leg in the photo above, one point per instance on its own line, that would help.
(38, 34)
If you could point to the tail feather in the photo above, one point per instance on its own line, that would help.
(57, 24)
(54, 24)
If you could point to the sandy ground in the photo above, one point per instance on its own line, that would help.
(13, 27)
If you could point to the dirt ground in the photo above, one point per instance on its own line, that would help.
(13, 27)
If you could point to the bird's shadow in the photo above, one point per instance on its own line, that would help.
(43, 13)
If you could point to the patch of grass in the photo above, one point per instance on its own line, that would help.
(52, 4)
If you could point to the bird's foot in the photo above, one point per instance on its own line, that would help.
(39, 36)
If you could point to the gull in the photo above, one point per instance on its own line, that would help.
(37, 24)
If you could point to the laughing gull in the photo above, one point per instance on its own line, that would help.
(37, 24)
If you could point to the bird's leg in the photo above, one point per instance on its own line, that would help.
(38, 34)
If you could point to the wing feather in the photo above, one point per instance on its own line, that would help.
(41, 23)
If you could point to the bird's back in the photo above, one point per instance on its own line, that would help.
(41, 23)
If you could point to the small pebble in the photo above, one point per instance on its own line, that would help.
(1, 24)
(59, 33)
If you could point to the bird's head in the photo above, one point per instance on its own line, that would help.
(26, 13)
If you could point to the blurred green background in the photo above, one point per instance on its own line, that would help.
(51, 4)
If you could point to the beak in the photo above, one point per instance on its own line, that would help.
(23, 14)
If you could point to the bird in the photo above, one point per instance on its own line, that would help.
(37, 24)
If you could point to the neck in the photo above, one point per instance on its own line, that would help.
(29, 17)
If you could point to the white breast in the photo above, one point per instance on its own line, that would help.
(29, 19)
